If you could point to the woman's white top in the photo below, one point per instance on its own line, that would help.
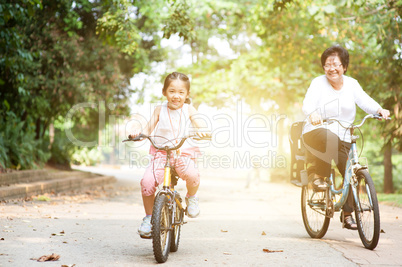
(175, 126)
(336, 104)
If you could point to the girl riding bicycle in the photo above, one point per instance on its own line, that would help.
(170, 121)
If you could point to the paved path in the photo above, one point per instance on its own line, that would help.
(98, 228)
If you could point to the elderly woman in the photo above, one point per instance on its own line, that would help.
(334, 95)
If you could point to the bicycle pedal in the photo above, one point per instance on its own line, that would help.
(145, 237)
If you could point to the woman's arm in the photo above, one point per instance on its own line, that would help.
(368, 104)
(310, 103)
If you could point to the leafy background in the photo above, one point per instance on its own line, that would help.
(57, 54)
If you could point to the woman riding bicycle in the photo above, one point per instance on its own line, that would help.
(334, 95)
(172, 120)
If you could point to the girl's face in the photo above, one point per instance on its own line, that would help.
(176, 94)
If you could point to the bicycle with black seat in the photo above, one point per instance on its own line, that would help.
(319, 205)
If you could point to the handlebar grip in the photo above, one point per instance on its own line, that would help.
(380, 117)
(138, 138)
(328, 121)
(208, 138)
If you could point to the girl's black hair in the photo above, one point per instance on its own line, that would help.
(338, 50)
(174, 76)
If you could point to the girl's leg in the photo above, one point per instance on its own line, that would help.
(148, 187)
(148, 203)
(152, 177)
(192, 190)
(187, 170)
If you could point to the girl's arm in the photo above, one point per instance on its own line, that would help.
(149, 128)
(200, 125)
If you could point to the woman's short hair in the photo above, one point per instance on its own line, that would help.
(338, 50)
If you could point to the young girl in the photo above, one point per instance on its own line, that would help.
(171, 120)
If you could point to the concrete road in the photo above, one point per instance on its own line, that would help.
(99, 228)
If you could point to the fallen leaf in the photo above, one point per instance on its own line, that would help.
(382, 231)
(61, 234)
(224, 231)
(270, 251)
(43, 198)
(263, 233)
(226, 253)
(53, 257)
(397, 217)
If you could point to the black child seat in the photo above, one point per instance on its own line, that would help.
(299, 155)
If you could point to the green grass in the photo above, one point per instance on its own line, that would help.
(390, 199)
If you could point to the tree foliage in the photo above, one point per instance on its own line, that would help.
(55, 54)
(52, 59)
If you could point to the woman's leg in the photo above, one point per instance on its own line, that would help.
(324, 145)
(347, 208)
(342, 160)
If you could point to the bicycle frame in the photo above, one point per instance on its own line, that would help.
(318, 205)
(352, 167)
(168, 187)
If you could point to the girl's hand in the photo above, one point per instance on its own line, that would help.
(315, 118)
(134, 134)
(203, 134)
(384, 113)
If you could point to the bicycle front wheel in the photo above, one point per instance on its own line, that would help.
(161, 228)
(313, 205)
(178, 218)
(368, 216)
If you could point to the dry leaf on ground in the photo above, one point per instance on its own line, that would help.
(270, 251)
(53, 257)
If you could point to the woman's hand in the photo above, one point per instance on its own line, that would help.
(315, 118)
(384, 113)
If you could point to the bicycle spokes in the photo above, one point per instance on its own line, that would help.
(367, 211)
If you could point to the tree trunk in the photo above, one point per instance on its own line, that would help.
(388, 185)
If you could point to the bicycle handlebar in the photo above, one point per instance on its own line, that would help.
(369, 116)
(166, 148)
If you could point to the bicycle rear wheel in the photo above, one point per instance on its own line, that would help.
(368, 217)
(161, 228)
(179, 214)
(313, 205)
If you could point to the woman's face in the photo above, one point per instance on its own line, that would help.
(334, 69)
(176, 94)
